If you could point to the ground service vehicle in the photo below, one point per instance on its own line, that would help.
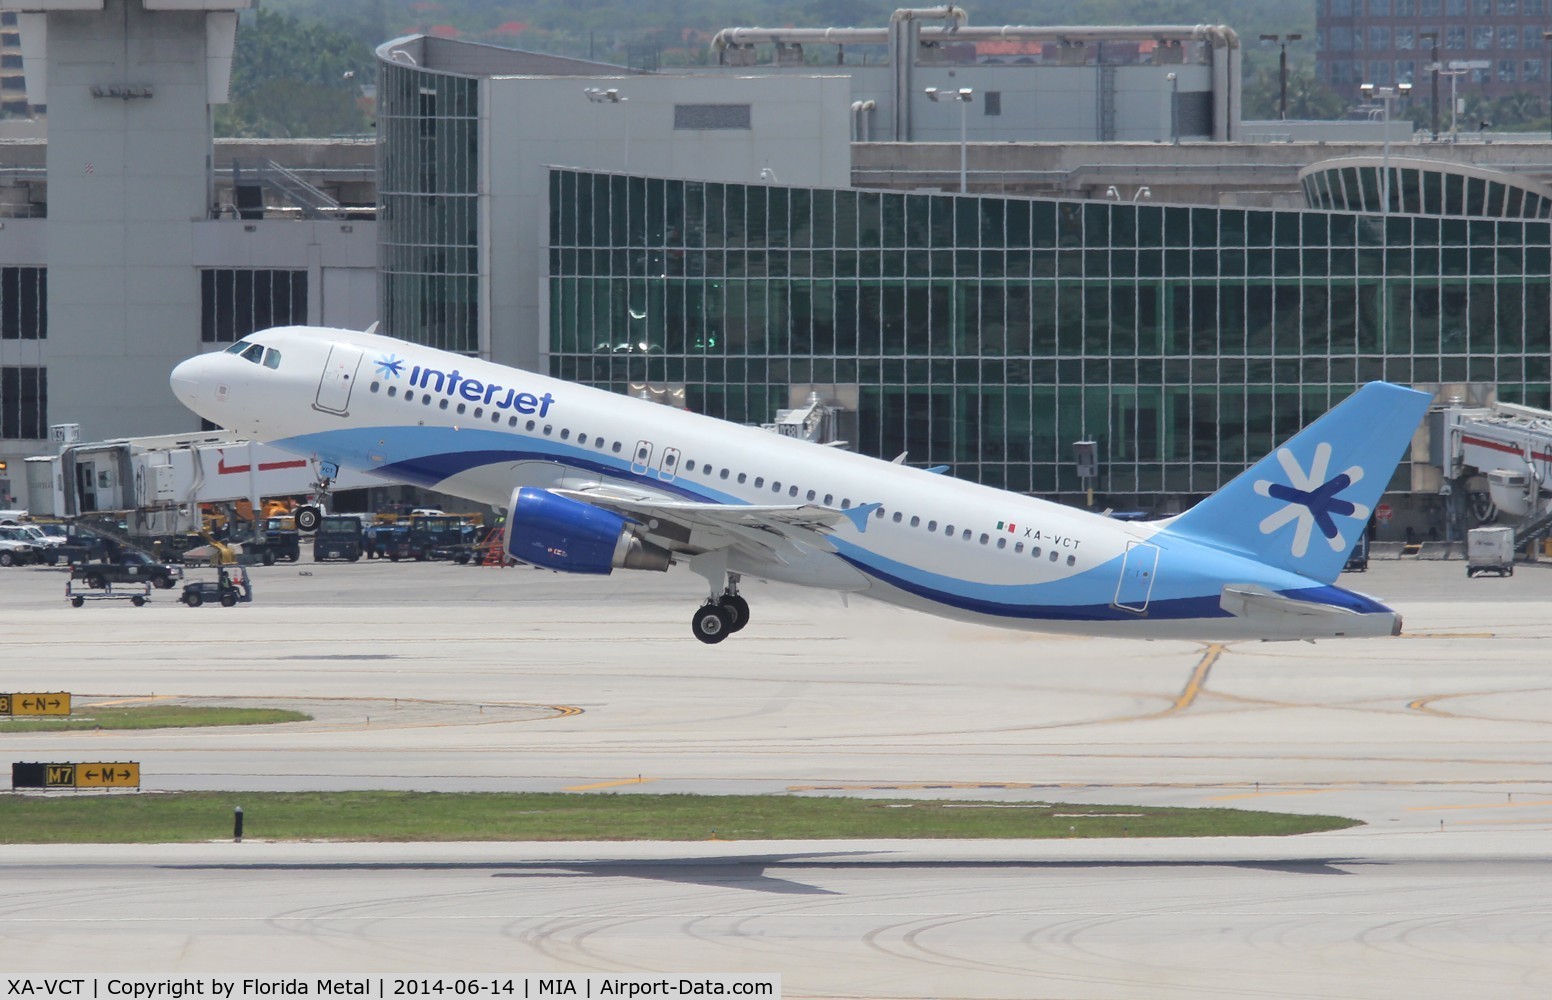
(339, 537)
(230, 588)
(132, 567)
(281, 541)
(1490, 550)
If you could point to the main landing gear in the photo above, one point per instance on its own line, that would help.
(721, 615)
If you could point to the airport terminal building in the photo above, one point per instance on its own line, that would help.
(984, 332)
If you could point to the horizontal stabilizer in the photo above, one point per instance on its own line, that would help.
(1275, 614)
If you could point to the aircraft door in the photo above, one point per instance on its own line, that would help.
(668, 467)
(339, 374)
(1138, 569)
(641, 461)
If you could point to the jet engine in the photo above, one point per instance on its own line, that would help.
(575, 537)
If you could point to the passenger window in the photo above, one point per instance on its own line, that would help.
(1072, 560)
(792, 491)
(617, 447)
(690, 465)
(948, 530)
(461, 408)
(271, 358)
(511, 421)
(725, 473)
(409, 397)
(495, 417)
(1002, 543)
(425, 399)
(759, 482)
(1055, 555)
(548, 428)
(985, 538)
(811, 495)
(846, 503)
(899, 517)
(933, 526)
(744, 476)
(829, 499)
(531, 425)
(775, 487)
(966, 536)
(479, 411)
(581, 439)
(1018, 546)
(915, 521)
(878, 512)
(374, 386)
(442, 404)
(565, 433)
(393, 390)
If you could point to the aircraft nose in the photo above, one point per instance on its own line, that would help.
(188, 380)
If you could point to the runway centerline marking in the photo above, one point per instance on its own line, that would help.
(1263, 795)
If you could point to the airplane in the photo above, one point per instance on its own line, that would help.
(592, 481)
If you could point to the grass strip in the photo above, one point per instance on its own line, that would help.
(131, 818)
(152, 717)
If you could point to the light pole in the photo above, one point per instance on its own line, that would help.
(599, 95)
(1546, 40)
(964, 95)
(1174, 107)
(1457, 69)
(1433, 114)
(1386, 94)
(1282, 70)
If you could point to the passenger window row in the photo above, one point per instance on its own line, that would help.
(741, 478)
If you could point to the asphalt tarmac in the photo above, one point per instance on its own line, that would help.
(453, 678)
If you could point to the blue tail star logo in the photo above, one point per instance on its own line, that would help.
(1311, 500)
(390, 366)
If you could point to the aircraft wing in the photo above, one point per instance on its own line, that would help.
(760, 531)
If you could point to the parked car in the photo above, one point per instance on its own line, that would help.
(25, 545)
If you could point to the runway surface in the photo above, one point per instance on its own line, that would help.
(450, 678)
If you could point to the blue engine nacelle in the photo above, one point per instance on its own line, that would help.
(575, 537)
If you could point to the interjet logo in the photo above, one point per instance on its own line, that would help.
(1311, 499)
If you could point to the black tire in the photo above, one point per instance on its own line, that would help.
(95, 581)
(192, 599)
(711, 624)
(268, 558)
(228, 600)
(7, 559)
(137, 601)
(162, 583)
(738, 608)
(307, 518)
(77, 602)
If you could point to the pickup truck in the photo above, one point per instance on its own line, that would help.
(134, 567)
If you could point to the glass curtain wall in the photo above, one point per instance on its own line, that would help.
(428, 221)
(989, 334)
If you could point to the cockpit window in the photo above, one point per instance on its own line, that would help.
(254, 353)
(271, 358)
(239, 347)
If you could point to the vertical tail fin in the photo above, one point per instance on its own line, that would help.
(1302, 507)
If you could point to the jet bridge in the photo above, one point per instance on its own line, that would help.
(1511, 447)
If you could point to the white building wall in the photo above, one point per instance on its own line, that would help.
(800, 132)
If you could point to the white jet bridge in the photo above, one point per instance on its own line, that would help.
(1511, 446)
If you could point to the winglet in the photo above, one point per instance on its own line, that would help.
(859, 514)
